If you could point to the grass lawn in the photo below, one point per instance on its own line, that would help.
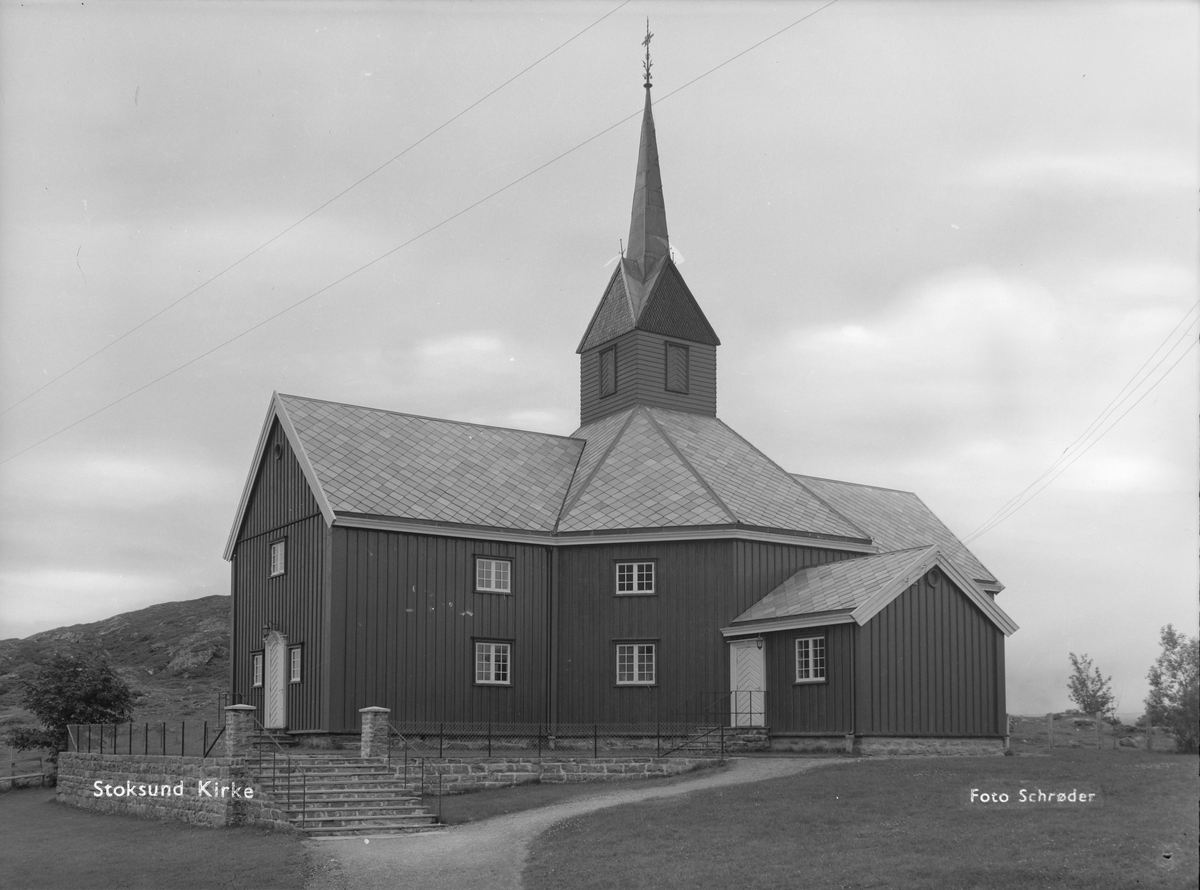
(460, 808)
(49, 845)
(898, 823)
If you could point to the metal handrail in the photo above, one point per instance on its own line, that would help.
(292, 769)
(424, 761)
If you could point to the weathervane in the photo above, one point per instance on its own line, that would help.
(646, 43)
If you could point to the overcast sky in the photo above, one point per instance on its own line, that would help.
(936, 239)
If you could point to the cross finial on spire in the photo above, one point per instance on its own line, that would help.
(646, 43)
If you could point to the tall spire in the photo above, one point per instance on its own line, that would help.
(648, 243)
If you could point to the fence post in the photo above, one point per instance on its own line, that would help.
(1149, 735)
(595, 741)
(182, 735)
(722, 741)
(441, 739)
(489, 738)
(204, 750)
(1050, 728)
(162, 737)
(145, 738)
(658, 738)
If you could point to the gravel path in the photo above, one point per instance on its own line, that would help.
(490, 855)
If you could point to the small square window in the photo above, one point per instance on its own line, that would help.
(635, 664)
(635, 577)
(294, 664)
(493, 575)
(278, 557)
(493, 663)
(810, 660)
(256, 670)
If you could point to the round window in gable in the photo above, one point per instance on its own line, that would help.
(278, 451)
(934, 577)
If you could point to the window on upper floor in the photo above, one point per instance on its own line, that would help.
(677, 368)
(636, 664)
(493, 663)
(493, 575)
(635, 577)
(810, 660)
(608, 371)
(278, 557)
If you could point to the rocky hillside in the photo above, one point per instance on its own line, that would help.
(176, 654)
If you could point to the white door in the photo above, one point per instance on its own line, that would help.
(747, 684)
(275, 681)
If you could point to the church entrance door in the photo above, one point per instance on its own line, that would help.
(275, 681)
(747, 684)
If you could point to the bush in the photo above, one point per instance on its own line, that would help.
(1174, 700)
(1087, 688)
(71, 689)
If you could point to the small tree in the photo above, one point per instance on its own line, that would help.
(1088, 689)
(71, 689)
(1174, 700)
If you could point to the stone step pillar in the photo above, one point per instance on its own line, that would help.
(375, 731)
(239, 727)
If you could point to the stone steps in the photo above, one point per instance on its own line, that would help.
(331, 795)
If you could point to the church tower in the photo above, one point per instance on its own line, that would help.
(648, 342)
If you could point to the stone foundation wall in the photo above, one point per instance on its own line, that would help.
(460, 776)
(869, 745)
(186, 789)
(813, 744)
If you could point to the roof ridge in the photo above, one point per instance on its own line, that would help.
(485, 426)
(837, 513)
(567, 508)
(691, 469)
(855, 484)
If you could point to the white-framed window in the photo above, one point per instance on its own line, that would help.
(493, 663)
(635, 577)
(278, 557)
(810, 660)
(635, 664)
(256, 670)
(294, 664)
(493, 575)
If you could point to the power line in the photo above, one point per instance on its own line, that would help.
(309, 215)
(1061, 465)
(411, 240)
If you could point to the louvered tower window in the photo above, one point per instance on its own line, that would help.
(677, 368)
(608, 372)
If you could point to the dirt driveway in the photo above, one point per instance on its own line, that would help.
(490, 855)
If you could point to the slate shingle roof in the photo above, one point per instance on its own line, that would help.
(403, 466)
(644, 468)
(669, 309)
(896, 520)
(833, 587)
(674, 469)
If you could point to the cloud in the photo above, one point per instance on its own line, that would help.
(38, 598)
(461, 347)
(1036, 171)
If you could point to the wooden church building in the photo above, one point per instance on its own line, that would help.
(651, 565)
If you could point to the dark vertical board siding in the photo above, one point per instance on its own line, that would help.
(641, 377)
(281, 506)
(412, 617)
(810, 707)
(930, 663)
(702, 587)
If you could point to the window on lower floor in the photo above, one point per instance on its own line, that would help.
(256, 669)
(810, 660)
(493, 575)
(635, 577)
(493, 663)
(636, 664)
(294, 664)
